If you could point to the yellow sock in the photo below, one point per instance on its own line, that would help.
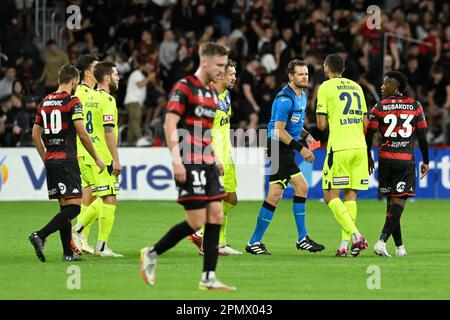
(353, 211)
(92, 212)
(82, 212)
(87, 229)
(223, 229)
(342, 215)
(106, 222)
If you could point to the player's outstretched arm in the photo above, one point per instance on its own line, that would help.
(423, 144)
(86, 142)
(172, 139)
(36, 136)
(110, 138)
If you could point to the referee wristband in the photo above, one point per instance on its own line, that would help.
(295, 145)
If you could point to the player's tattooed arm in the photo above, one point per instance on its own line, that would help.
(37, 140)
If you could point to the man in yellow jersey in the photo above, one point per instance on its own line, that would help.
(105, 134)
(224, 153)
(87, 94)
(342, 108)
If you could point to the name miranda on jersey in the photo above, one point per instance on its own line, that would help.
(397, 106)
(346, 87)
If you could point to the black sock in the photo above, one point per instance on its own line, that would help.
(392, 219)
(65, 234)
(172, 237)
(211, 246)
(397, 235)
(54, 225)
(69, 212)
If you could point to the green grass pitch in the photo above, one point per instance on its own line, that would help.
(287, 274)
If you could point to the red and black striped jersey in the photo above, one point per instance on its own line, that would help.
(56, 114)
(196, 105)
(397, 118)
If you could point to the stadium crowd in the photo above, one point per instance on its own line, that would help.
(157, 41)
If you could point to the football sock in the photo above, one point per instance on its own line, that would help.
(172, 237)
(87, 229)
(210, 246)
(353, 211)
(65, 234)
(92, 212)
(207, 275)
(106, 221)
(299, 210)
(223, 229)
(63, 217)
(82, 212)
(397, 235)
(344, 244)
(392, 219)
(264, 218)
(342, 215)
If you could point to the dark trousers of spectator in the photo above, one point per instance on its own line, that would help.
(134, 122)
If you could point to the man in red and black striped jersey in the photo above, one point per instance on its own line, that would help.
(59, 119)
(399, 119)
(190, 116)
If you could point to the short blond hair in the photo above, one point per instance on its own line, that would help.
(212, 49)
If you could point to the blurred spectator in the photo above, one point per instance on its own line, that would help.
(247, 113)
(438, 102)
(267, 58)
(268, 91)
(135, 98)
(6, 84)
(54, 59)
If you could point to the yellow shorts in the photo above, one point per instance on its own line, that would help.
(87, 180)
(346, 169)
(229, 178)
(105, 183)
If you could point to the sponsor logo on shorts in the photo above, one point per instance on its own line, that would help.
(385, 190)
(52, 191)
(401, 186)
(62, 188)
(199, 190)
(102, 188)
(341, 181)
(364, 181)
(109, 118)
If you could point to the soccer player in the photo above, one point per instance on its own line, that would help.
(91, 206)
(285, 129)
(341, 107)
(104, 132)
(399, 120)
(59, 119)
(191, 109)
(224, 153)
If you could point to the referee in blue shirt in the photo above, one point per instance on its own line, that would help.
(286, 134)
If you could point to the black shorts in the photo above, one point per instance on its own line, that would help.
(282, 162)
(203, 185)
(63, 179)
(397, 180)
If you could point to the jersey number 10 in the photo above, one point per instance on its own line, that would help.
(55, 122)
